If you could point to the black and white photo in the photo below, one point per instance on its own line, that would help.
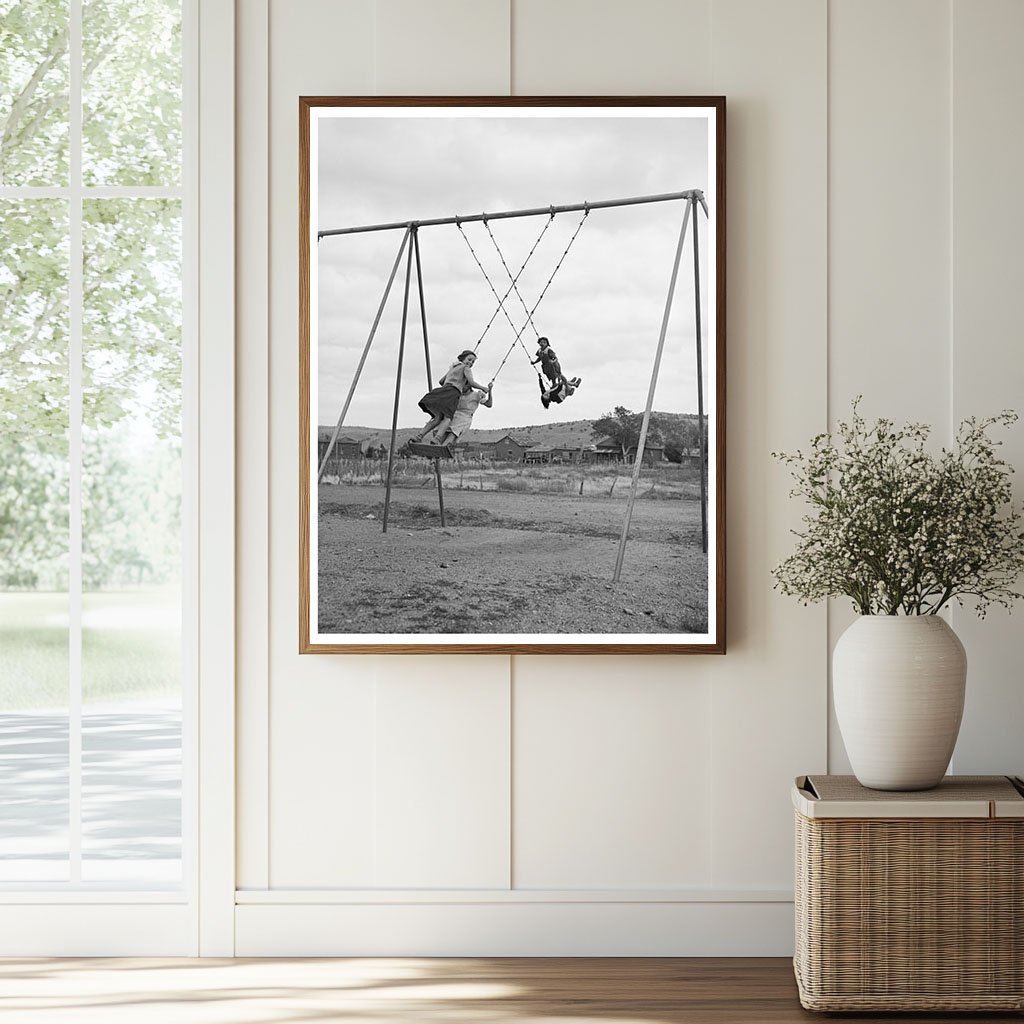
(512, 375)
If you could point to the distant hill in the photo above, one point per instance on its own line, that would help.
(570, 434)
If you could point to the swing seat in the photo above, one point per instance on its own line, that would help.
(429, 451)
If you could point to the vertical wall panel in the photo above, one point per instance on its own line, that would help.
(323, 775)
(442, 760)
(769, 692)
(606, 47)
(612, 775)
(988, 356)
(325, 727)
(442, 774)
(610, 755)
(252, 462)
(321, 709)
(889, 209)
(889, 245)
(442, 48)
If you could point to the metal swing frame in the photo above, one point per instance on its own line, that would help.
(693, 198)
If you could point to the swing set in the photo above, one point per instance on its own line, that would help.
(410, 247)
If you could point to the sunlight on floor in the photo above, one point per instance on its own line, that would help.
(163, 991)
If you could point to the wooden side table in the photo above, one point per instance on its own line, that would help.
(910, 901)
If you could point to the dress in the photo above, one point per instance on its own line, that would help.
(442, 401)
(467, 407)
(549, 364)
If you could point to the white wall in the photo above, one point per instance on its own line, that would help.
(544, 805)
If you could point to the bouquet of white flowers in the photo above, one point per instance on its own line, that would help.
(898, 529)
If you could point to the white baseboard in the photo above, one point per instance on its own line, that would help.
(97, 929)
(504, 928)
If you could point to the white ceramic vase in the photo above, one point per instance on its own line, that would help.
(898, 685)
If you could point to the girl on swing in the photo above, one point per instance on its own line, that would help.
(548, 362)
(560, 388)
(451, 430)
(441, 402)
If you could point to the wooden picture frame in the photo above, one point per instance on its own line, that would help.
(384, 567)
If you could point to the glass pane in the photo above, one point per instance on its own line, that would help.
(33, 92)
(131, 92)
(131, 542)
(33, 540)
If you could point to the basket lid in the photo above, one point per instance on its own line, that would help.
(957, 796)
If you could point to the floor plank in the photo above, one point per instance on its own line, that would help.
(390, 990)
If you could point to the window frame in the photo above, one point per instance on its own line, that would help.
(105, 918)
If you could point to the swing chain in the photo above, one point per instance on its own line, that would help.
(501, 301)
(515, 287)
(544, 292)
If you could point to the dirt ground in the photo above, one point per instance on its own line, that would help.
(506, 563)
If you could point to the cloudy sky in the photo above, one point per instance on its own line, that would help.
(603, 311)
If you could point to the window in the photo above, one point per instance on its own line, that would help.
(94, 454)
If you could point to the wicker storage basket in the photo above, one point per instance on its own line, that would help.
(910, 901)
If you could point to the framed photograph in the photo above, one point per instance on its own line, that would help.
(512, 374)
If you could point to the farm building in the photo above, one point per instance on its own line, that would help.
(345, 448)
(653, 453)
(511, 448)
(567, 454)
(607, 450)
(479, 450)
(539, 453)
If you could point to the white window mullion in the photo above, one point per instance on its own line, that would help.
(134, 192)
(75, 300)
(95, 191)
(34, 192)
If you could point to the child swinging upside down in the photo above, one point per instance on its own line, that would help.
(560, 392)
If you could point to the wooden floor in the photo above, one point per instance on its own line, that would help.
(381, 991)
